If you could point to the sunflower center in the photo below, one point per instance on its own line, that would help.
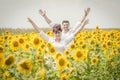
(52, 50)
(79, 54)
(1, 49)
(61, 62)
(64, 78)
(9, 61)
(24, 65)
(36, 41)
(94, 60)
(27, 46)
(15, 44)
(21, 41)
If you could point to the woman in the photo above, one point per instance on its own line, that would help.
(58, 43)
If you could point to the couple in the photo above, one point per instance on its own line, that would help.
(62, 38)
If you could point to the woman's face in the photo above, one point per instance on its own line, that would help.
(57, 35)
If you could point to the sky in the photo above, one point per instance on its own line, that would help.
(14, 13)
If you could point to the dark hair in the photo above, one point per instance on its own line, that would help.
(57, 28)
(65, 21)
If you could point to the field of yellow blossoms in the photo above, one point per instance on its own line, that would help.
(94, 55)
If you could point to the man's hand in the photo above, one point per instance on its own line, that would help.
(29, 20)
(42, 13)
(87, 11)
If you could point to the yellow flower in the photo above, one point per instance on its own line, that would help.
(36, 41)
(26, 47)
(49, 44)
(66, 52)
(63, 77)
(52, 50)
(6, 75)
(1, 60)
(25, 66)
(57, 55)
(94, 60)
(40, 75)
(104, 46)
(1, 49)
(109, 43)
(78, 54)
(21, 40)
(9, 61)
(14, 45)
(61, 63)
(72, 46)
(97, 27)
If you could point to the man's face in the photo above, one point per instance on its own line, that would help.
(65, 26)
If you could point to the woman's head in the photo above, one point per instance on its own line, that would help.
(57, 30)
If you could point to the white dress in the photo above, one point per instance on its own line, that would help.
(60, 46)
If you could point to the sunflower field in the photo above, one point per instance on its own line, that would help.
(94, 55)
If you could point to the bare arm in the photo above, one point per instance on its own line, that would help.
(43, 35)
(78, 24)
(86, 14)
(34, 25)
(43, 14)
(81, 27)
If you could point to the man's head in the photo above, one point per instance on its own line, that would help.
(65, 24)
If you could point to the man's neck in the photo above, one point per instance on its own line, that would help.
(65, 31)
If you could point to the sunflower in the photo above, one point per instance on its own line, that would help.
(52, 50)
(94, 60)
(14, 44)
(49, 45)
(97, 27)
(81, 42)
(1, 60)
(67, 52)
(6, 75)
(40, 75)
(72, 46)
(1, 49)
(109, 43)
(63, 77)
(92, 42)
(36, 41)
(43, 47)
(9, 61)
(61, 63)
(104, 46)
(78, 55)
(26, 47)
(21, 40)
(25, 66)
(57, 55)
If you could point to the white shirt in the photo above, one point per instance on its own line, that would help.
(60, 46)
(71, 31)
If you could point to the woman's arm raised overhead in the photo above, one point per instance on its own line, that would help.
(81, 27)
(34, 25)
(43, 35)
